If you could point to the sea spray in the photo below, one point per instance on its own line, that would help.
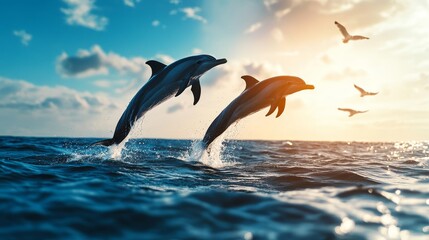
(116, 150)
(214, 156)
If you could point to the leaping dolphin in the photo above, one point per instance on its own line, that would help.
(165, 82)
(256, 96)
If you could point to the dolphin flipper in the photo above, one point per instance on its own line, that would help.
(155, 66)
(196, 90)
(182, 88)
(186, 80)
(272, 108)
(281, 106)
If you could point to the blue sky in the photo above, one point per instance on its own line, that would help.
(69, 67)
(129, 31)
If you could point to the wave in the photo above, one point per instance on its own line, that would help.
(62, 188)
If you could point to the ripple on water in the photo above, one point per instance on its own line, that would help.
(62, 188)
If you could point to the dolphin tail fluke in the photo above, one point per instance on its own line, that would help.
(105, 142)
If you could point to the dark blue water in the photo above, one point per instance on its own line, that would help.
(60, 188)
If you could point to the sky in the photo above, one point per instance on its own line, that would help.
(69, 67)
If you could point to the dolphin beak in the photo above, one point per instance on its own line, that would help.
(308, 86)
(219, 61)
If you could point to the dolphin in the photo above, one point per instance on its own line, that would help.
(256, 96)
(165, 82)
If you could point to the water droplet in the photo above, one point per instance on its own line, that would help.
(404, 235)
(382, 208)
(393, 232)
(398, 192)
(346, 226)
(387, 219)
(248, 236)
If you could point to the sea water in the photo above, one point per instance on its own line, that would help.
(61, 188)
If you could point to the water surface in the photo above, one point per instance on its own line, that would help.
(54, 188)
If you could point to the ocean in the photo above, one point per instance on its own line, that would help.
(62, 188)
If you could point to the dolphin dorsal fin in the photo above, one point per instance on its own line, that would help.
(155, 66)
(250, 81)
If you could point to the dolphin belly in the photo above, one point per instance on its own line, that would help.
(231, 114)
(138, 106)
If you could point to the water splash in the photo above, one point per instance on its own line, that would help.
(115, 151)
(214, 156)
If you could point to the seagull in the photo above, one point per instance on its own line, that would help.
(364, 93)
(351, 111)
(347, 36)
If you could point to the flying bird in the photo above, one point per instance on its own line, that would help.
(347, 36)
(364, 93)
(351, 111)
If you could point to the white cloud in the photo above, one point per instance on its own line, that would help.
(155, 23)
(131, 3)
(23, 95)
(175, 2)
(23, 36)
(103, 83)
(239, 67)
(282, 13)
(196, 51)
(277, 34)
(253, 27)
(326, 59)
(269, 3)
(97, 62)
(166, 59)
(192, 13)
(80, 66)
(345, 73)
(107, 83)
(288, 53)
(34, 110)
(79, 13)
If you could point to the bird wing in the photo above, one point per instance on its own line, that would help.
(357, 37)
(345, 109)
(360, 89)
(372, 93)
(361, 111)
(343, 30)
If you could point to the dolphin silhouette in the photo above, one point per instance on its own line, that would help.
(256, 96)
(165, 82)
